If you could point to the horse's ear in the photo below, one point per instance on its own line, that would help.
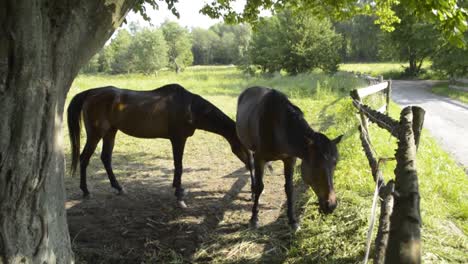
(337, 139)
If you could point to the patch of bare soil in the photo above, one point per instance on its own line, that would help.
(145, 226)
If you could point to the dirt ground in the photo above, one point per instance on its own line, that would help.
(145, 226)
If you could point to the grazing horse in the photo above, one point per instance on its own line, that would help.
(273, 128)
(169, 112)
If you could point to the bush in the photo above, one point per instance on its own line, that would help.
(296, 42)
(451, 61)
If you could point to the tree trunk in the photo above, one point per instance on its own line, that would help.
(43, 45)
(412, 71)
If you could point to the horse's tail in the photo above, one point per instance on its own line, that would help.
(74, 126)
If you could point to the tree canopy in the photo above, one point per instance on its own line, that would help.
(449, 15)
(179, 44)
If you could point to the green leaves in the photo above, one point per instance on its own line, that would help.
(296, 42)
(450, 15)
(179, 43)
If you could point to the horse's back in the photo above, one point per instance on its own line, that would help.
(250, 114)
(146, 114)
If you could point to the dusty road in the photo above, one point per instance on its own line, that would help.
(446, 119)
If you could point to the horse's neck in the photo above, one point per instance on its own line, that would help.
(217, 122)
(299, 135)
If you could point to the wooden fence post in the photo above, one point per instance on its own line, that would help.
(386, 209)
(399, 237)
(354, 94)
(389, 94)
(404, 244)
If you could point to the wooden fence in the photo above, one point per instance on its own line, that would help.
(398, 239)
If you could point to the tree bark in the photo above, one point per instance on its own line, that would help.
(43, 45)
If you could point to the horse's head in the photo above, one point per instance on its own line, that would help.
(318, 168)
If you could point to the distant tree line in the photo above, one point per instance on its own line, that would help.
(148, 50)
(290, 41)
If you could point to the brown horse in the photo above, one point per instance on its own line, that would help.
(169, 112)
(273, 128)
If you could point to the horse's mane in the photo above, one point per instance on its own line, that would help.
(295, 116)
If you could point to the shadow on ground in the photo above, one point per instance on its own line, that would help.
(144, 226)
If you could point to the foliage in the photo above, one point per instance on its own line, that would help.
(144, 50)
(415, 40)
(451, 60)
(149, 51)
(122, 57)
(180, 44)
(232, 44)
(204, 45)
(361, 38)
(221, 44)
(105, 57)
(296, 42)
(92, 66)
(449, 17)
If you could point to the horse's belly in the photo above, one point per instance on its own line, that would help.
(143, 126)
(150, 132)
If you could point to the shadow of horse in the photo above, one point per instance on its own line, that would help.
(145, 225)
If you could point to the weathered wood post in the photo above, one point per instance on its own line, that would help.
(386, 209)
(398, 239)
(404, 244)
(389, 94)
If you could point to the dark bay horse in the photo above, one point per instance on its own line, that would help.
(169, 112)
(273, 128)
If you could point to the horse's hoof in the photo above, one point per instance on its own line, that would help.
(270, 168)
(254, 224)
(181, 204)
(295, 227)
(180, 193)
(122, 192)
(87, 196)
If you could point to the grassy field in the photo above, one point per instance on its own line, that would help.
(389, 70)
(145, 227)
(444, 90)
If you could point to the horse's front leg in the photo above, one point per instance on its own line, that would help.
(289, 188)
(178, 145)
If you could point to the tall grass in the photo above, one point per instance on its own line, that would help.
(390, 70)
(340, 237)
(444, 90)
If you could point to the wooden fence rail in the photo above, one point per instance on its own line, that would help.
(398, 239)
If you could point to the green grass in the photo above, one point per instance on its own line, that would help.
(444, 90)
(336, 238)
(389, 70)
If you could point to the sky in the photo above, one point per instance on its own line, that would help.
(190, 16)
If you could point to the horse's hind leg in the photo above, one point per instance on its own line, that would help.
(289, 188)
(250, 167)
(259, 166)
(178, 145)
(106, 158)
(91, 143)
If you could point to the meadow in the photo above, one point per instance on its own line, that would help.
(144, 226)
